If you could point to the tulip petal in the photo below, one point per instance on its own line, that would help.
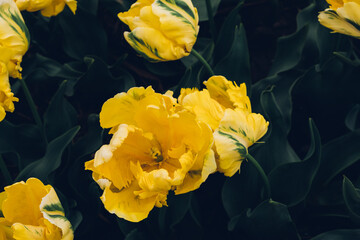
(125, 204)
(351, 12)
(122, 107)
(227, 93)
(178, 22)
(204, 165)
(53, 211)
(23, 201)
(237, 131)
(207, 110)
(28, 232)
(332, 20)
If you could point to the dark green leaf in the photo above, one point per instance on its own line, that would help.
(291, 182)
(278, 131)
(241, 191)
(83, 35)
(177, 208)
(201, 7)
(345, 148)
(289, 50)
(352, 198)
(25, 140)
(352, 120)
(60, 115)
(340, 234)
(235, 66)
(135, 234)
(226, 35)
(91, 6)
(51, 160)
(270, 220)
(91, 141)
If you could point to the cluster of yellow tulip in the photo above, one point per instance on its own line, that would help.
(160, 143)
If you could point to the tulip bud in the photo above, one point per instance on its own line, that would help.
(161, 30)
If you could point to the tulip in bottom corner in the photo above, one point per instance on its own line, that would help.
(32, 211)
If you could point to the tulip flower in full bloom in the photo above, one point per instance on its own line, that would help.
(161, 30)
(32, 210)
(343, 16)
(157, 146)
(14, 42)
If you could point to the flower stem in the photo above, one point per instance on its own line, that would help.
(262, 174)
(203, 61)
(32, 106)
(5, 171)
(211, 19)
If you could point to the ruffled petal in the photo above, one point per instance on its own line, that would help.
(207, 110)
(23, 201)
(126, 204)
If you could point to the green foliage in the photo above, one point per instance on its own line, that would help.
(76, 62)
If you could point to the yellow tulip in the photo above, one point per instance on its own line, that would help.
(157, 146)
(31, 211)
(48, 8)
(226, 108)
(209, 104)
(238, 130)
(161, 30)
(343, 17)
(14, 37)
(14, 42)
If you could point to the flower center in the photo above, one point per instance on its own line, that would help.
(156, 155)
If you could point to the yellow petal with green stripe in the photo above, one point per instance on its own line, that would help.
(342, 17)
(33, 211)
(238, 130)
(14, 37)
(161, 30)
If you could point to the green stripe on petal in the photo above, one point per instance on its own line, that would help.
(54, 207)
(332, 20)
(12, 16)
(142, 48)
(53, 211)
(240, 148)
(174, 13)
(184, 6)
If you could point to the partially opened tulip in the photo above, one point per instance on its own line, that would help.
(343, 16)
(157, 146)
(238, 130)
(161, 30)
(32, 210)
(14, 42)
(226, 108)
(48, 8)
